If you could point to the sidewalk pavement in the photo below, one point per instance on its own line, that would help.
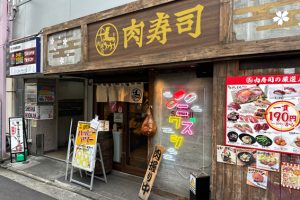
(119, 186)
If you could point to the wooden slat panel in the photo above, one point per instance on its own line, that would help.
(229, 181)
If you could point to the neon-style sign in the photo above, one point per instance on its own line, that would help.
(176, 120)
(170, 153)
(182, 113)
(196, 108)
(167, 130)
(191, 97)
(177, 140)
(171, 104)
(183, 106)
(187, 128)
(179, 94)
(168, 94)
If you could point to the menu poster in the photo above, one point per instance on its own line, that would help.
(290, 175)
(16, 130)
(246, 157)
(268, 160)
(226, 154)
(262, 112)
(84, 155)
(257, 178)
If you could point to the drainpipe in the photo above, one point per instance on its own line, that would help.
(3, 42)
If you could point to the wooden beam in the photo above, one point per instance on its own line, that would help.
(201, 54)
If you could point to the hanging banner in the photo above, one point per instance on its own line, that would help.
(290, 175)
(16, 131)
(262, 112)
(151, 172)
(84, 155)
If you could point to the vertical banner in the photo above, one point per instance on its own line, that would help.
(151, 172)
(16, 130)
(84, 155)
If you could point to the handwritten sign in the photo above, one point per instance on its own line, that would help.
(151, 172)
(85, 147)
(262, 112)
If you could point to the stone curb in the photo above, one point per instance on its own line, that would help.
(61, 185)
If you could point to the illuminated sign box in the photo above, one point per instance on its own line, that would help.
(23, 57)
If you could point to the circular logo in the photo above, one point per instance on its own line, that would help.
(282, 116)
(107, 39)
(136, 94)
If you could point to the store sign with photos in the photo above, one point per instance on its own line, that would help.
(23, 57)
(16, 130)
(84, 155)
(262, 112)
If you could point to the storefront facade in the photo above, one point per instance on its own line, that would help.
(175, 45)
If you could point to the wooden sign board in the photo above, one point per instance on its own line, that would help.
(178, 25)
(151, 172)
(64, 48)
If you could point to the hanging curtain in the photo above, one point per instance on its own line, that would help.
(136, 91)
(101, 93)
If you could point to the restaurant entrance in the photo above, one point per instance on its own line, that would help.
(125, 105)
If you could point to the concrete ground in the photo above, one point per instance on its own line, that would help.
(119, 186)
(15, 186)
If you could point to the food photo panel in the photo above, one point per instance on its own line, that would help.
(262, 112)
(246, 157)
(257, 178)
(268, 161)
(290, 175)
(226, 154)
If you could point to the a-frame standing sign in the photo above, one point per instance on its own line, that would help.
(86, 133)
(18, 137)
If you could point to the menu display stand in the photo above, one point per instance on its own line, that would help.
(17, 131)
(85, 152)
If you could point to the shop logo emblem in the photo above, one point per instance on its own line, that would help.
(136, 94)
(107, 39)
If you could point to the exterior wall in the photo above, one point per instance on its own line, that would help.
(35, 15)
(229, 181)
(3, 40)
(257, 20)
(195, 153)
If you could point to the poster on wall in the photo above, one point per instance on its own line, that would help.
(16, 130)
(46, 94)
(262, 112)
(84, 155)
(45, 112)
(290, 175)
(246, 157)
(226, 154)
(257, 178)
(268, 161)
